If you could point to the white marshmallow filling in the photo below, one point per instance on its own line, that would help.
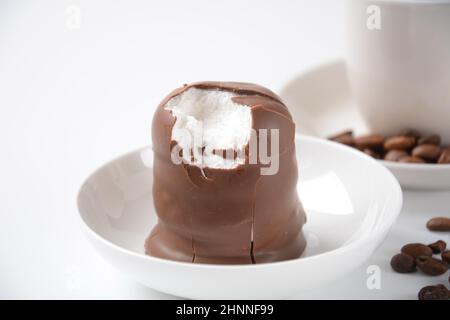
(210, 120)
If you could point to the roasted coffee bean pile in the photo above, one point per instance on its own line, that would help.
(415, 256)
(407, 146)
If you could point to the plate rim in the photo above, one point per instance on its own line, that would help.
(415, 166)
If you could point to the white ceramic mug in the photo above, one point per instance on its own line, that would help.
(399, 64)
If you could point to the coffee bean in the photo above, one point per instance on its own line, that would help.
(409, 159)
(341, 134)
(347, 140)
(371, 153)
(403, 263)
(431, 266)
(439, 224)
(446, 257)
(399, 143)
(345, 137)
(433, 139)
(437, 292)
(417, 249)
(438, 246)
(428, 152)
(410, 133)
(445, 157)
(395, 155)
(372, 141)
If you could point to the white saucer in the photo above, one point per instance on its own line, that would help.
(322, 105)
(351, 202)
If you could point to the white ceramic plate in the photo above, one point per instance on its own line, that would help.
(351, 202)
(321, 103)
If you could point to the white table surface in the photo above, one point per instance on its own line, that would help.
(71, 99)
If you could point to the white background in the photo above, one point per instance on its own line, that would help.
(71, 100)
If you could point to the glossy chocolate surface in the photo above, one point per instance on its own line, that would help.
(233, 216)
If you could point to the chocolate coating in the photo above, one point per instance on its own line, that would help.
(227, 216)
